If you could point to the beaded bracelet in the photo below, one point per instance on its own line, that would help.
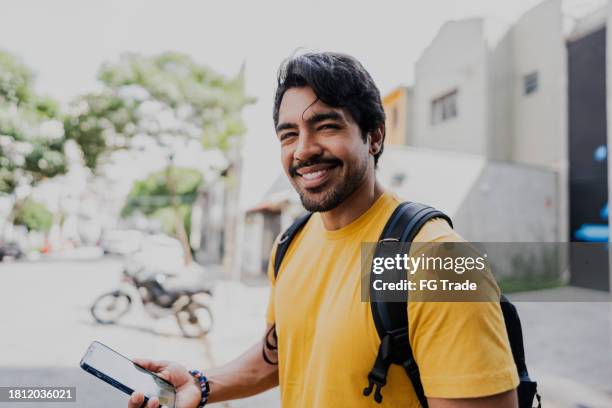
(204, 386)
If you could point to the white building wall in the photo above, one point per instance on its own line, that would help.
(438, 178)
(488, 201)
(540, 118)
(456, 60)
(501, 102)
(510, 203)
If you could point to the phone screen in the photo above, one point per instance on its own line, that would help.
(122, 370)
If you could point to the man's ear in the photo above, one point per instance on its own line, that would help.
(377, 138)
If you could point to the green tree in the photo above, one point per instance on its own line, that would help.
(35, 216)
(167, 97)
(31, 132)
(152, 196)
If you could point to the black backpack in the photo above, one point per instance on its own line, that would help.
(391, 318)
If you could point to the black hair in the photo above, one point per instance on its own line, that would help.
(339, 81)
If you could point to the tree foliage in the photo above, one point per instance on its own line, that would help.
(153, 193)
(31, 134)
(153, 197)
(34, 216)
(167, 96)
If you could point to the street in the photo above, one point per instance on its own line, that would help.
(46, 328)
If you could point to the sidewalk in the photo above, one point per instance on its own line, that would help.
(44, 309)
(47, 326)
(568, 347)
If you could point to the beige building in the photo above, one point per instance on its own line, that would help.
(398, 109)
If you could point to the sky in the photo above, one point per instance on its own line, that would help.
(65, 41)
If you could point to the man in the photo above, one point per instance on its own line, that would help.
(330, 125)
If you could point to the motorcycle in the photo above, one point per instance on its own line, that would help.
(160, 300)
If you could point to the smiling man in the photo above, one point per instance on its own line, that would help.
(320, 340)
(329, 165)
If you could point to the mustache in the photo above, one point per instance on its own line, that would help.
(318, 160)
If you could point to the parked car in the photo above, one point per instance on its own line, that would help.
(160, 252)
(10, 250)
(120, 242)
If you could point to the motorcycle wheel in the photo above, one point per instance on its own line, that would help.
(195, 320)
(109, 307)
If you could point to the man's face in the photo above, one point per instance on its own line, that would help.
(322, 150)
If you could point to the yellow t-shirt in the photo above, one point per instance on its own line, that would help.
(327, 340)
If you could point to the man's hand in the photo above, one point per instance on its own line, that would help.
(243, 377)
(188, 393)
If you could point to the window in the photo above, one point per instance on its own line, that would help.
(530, 83)
(394, 116)
(444, 107)
(398, 179)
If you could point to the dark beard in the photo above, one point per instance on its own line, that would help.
(334, 196)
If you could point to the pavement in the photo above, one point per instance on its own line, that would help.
(568, 347)
(46, 327)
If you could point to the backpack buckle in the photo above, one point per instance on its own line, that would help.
(377, 378)
(375, 383)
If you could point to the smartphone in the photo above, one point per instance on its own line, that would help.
(125, 375)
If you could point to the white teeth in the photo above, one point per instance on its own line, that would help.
(313, 175)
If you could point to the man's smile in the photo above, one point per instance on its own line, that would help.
(314, 176)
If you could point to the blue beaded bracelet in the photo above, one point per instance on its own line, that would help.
(203, 381)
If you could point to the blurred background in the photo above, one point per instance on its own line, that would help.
(141, 187)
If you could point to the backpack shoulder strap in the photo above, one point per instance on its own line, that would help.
(527, 389)
(281, 249)
(515, 335)
(286, 238)
(403, 225)
(391, 318)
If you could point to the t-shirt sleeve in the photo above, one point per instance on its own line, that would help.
(270, 312)
(461, 348)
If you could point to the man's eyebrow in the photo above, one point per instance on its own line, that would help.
(285, 125)
(320, 117)
(316, 118)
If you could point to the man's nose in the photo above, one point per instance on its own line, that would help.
(307, 147)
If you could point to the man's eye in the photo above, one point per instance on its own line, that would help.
(329, 126)
(287, 135)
